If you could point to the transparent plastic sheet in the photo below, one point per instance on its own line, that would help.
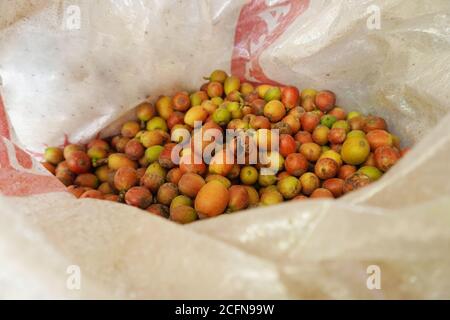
(58, 81)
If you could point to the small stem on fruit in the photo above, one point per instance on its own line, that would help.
(122, 196)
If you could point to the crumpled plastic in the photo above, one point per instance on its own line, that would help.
(58, 81)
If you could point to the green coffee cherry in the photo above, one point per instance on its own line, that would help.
(274, 93)
(328, 120)
(152, 153)
(222, 116)
(232, 83)
(157, 123)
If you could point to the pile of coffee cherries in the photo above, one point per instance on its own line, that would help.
(321, 151)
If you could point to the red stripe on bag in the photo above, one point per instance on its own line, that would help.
(4, 124)
(23, 158)
(259, 25)
(17, 182)
(4, 159)
(14, 179)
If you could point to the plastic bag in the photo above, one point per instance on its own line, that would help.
(72, 67)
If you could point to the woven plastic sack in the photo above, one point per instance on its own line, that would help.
(71, 68)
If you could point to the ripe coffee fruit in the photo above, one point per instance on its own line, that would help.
(209, 206)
